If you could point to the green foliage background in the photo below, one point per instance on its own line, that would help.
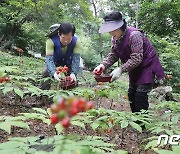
(25, 23)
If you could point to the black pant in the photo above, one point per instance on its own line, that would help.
(138, 96)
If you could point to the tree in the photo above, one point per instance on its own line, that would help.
(160, 17)
(15, 14)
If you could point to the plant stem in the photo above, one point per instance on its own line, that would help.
(122, 137)
(62, 145)
(111, 104)
(58, 85)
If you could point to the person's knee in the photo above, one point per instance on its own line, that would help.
(131, 92)
(45, 74)
(130, 96)
(141, 101)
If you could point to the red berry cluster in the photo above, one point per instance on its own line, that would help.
(66, 81)
(60, 69)
(6, 79)
(168, 76)
(98, 72)
(63, 109)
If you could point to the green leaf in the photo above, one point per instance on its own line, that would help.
(120, 152)
(102, 118)
(7, 89)
(49, 112)
(5, 126)
(158, 130)
(95, 143)
(94, 125)
(34, 116)
(78, 123)
(40, 110)
(8, 150)
(20, 124)
(59, 128)
(2, 117)
(169, 132)
(19, 92)
(135, 126)
(151, 144)
(175, 119)
(34, 91)
(124, 124)
(47, 121)
(177, 132)
(18, 118)
(82, 117)
(176, 149)
(7, 145)
(41, 152)
(165, 152)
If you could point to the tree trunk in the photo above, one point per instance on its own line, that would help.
(94, 2)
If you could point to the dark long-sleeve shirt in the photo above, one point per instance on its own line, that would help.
(136, 57)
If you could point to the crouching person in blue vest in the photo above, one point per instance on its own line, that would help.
(62, 48)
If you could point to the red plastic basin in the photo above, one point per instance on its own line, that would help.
(102, 78)
(65, 85)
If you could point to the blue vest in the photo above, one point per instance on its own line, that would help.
(63, 59)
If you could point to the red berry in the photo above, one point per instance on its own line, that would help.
(90, 105)
(1, 80)
(169, 76)
(62, 114)
(7, 79)
(98, 72)
(20, 50)
(57, 72)
(75, 104)
(111, 120)
(68, 78)
(63, 70)
(54, 108)
(108, 130)
(65, 122)
(66, 68)
(100, 83)
(62, 104)
(70, 101)
(59, 68)
(81, 104)
(73, 111)
(54, 119)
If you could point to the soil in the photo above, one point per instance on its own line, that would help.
(128, 139)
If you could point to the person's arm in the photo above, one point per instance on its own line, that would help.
(111, 58)
(75, 63)
(49, 57)
(76, 58)
(136, 57)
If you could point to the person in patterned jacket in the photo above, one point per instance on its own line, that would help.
(138, 57)
(62, 48)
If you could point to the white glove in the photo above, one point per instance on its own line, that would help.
(99, 69)
(116, 74)
(161, 82)
(57, 76)
(73, 77)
